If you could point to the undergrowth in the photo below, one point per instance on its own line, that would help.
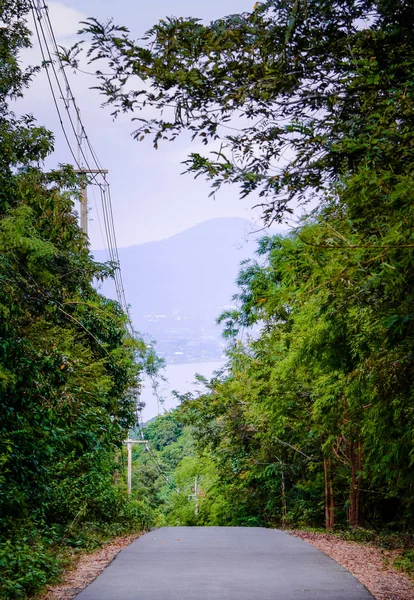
(385, 539)
(403, 542)
(34, 556)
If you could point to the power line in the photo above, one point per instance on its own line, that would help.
(106, 200)
(70, 98)
(51, 88)
(95, 203)
(104, 188)
(53, 302)
(98, 178)
(121, 283)
(151, 453)
(48, 60)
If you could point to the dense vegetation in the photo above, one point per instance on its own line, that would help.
(68, 369)
(303, 103)
(310, 103)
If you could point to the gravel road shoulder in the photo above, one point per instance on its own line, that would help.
(369, 564)
(86, 568)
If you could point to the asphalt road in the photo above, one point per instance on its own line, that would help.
(223, 563)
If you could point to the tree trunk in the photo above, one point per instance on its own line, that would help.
(325, 470)
(332, 499)
(359, 480)
(355, 460)
(284, 509)
(329, 495)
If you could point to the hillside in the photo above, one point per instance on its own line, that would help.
(177, 287)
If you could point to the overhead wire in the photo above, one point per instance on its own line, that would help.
(95, 203)
(69, 93)
(99, 179)
(40, 16)
(121, 283)
(51, 87)
(53, 302)
(48, 61)
(70, 96)
(152, 455)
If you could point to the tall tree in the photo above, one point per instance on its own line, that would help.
(307, 101)
(67, 365)
(297, 93)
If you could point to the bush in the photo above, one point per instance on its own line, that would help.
(34, 557)
(27, 564)
(405, 562)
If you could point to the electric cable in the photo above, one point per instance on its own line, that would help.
(44, 30)
(152, 455)
(48, 60)
(52, 90)
(86, 137)
(71, 96)
(53, 302)
(104, 187)
(95, 203)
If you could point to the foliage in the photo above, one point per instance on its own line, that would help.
(312, 422)
(153, 478)
(69, 371)
(290, 96)
(298, 102)
(26, 565)
(320, 404)
(165, 475)
(405, 562)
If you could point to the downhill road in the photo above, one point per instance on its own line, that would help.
(223, 563)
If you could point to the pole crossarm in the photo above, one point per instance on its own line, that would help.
(84, 171)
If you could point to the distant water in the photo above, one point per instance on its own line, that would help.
(180, 378)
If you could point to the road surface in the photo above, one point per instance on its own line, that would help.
(223, 563)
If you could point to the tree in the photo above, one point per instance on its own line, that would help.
(67, 364)
(296, 93)
(307, 101)
(301, 418)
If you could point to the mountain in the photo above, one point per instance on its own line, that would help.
(177, 287)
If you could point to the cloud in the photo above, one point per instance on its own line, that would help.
(65, 20)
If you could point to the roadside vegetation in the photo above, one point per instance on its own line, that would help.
(189, 482)
(310, 424)
(69, 372)
(308, 106)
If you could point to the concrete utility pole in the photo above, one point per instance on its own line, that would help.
(129, 443)
(83, 171)
(116, 472)
(84, 196)
(195, 495)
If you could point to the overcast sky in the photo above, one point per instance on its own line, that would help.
(151, 199)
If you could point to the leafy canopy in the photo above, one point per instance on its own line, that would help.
(294, 95)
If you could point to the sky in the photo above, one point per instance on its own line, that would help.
(152, 200)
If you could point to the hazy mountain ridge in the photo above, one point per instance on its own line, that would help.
(177, 287)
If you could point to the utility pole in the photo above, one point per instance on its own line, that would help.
(116, 472)
(84, 171)
(129, 443)
(195, 495)
(84, 196)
